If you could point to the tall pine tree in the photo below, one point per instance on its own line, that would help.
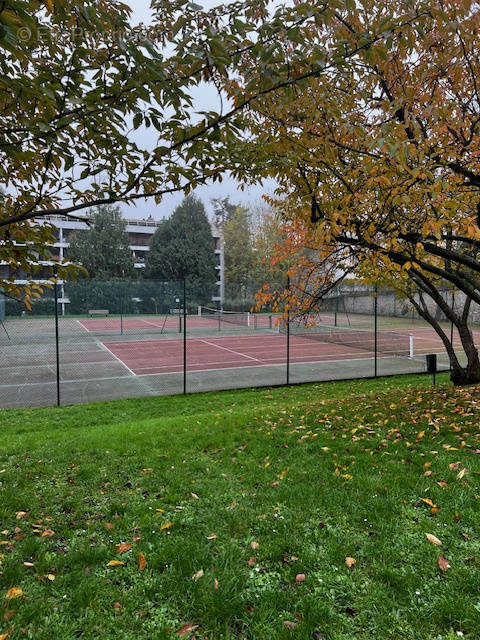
(183, 247)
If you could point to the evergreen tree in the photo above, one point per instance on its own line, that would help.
(183, 247)
(103, 249)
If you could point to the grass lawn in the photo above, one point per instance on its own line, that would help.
(235, 514)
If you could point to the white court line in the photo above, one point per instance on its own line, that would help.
(169, 373)
(237, 353)
(82, 325)
(121, 361)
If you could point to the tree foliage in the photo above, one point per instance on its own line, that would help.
(379, 160)
(183, 247)
(76, 80)
(103, 249)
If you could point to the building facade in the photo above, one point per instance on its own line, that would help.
(140, 233)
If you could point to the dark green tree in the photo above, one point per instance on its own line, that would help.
(183, 247)
(103, 249)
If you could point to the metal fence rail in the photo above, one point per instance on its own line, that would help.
(91, 341)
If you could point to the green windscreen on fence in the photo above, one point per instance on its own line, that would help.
(2, 307)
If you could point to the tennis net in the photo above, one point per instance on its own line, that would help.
(387, 342)
(240, 318)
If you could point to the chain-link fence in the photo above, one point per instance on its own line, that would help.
(91, 340)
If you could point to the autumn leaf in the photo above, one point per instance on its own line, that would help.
(350, 562)
(443, 563)
(166, 525)
(14, 592)
(289, 624)
(142, 561)
(433, 539)
(252, 561)
(123, 547)
(48, 533)
(454, 466)
(198, 575)
(215, 583)
(212, 536)
(194, 495)
(300, 577)
(109, 526)
(115, 563)
(186, 629)
(20, 515)
(461, 474)
(254, 545)
(145, 471)
(3, 636)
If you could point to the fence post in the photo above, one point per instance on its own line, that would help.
(451, 323)
(184, 336)
(57, 350)
(375, 307)
(288, 333)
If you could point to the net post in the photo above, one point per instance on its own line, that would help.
(184, 335)
(219, 316)
(57, 347)
(410, 346)
(248, 318)
(375, 309)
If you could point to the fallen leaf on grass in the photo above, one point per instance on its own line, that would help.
(115, 563)
(212, 536)
(166, 525)
(123, 547)
(186, 629)
(433, 539)
(198, 575)
(9, 614)
(289, 624)
(117, 606)
(465, 536)
(144, 471)
(3, 636)
(142, 561)
(14, 592)
(461, 474)
(443, 563)
(300, 577)
(194, 495)
(252, 561)
(453, 466)
(350, 562)
(48, 533)
(109, 526)
(22, 514)
(254, 545)
(50, 576)
(215, 583)
(28, 564)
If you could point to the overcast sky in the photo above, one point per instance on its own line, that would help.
(228, 187)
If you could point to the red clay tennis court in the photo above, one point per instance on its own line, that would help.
(145, 357)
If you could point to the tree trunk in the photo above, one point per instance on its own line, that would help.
(471, 373)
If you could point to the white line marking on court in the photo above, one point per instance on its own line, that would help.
(237, 353)
(82, 325)
(121, 361)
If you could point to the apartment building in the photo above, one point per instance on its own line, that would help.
(140, 233)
